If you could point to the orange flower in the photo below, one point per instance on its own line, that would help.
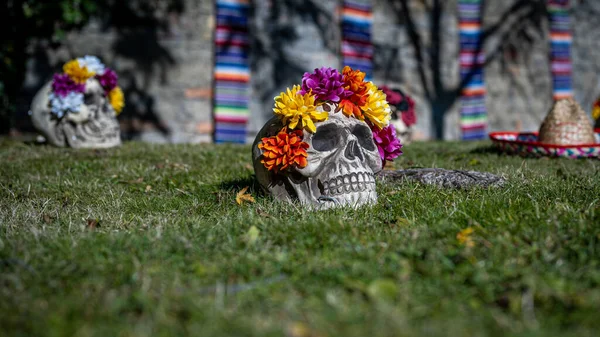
(284, 150)
(355, 85)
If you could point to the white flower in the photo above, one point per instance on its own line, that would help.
(61, 105)
(92, 63)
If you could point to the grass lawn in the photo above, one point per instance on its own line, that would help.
(149, 240)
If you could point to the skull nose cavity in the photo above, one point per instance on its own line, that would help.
(321, 187)
(353, 151)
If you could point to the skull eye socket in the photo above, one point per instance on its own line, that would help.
(88, 99)
(364, 136)
(326, 138)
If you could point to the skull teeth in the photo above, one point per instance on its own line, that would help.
(354, 182)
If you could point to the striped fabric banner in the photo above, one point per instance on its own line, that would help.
(560, 48)
(231, 71)
(357, 49)
(473, 112)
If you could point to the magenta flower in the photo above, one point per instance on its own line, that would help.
(405, 105)
(62, 85)
(325, 83)
(108, 80)
(387, 143)
(391, 96)
(409, 117)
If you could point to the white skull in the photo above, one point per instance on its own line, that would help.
(403, 132)
(342, 162)
(94, 126)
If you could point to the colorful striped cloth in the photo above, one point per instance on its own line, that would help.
(357, 49)
(473, 112)
(560, 48)
(231, 71)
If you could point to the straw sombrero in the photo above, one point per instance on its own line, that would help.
(565, 132)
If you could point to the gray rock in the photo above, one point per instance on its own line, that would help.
(444, 178)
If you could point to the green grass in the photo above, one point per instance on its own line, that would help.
(173, 254)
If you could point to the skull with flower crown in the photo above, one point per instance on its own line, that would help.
(327, 140)
(78, 108)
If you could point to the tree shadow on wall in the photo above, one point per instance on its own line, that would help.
(516, 28)
(43, 70)
(274, 30)
(138, 28)
(387, 63)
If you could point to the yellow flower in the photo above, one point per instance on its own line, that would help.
(377, 110)
(117, 100)
(298, 111)
(77, 73)
(464, 237)
(596, 110)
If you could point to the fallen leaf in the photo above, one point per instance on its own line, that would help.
(262, 213)
(243, 196)
(252, 235)
(298, 329)
(136, 181)
(464, 237)
(93, 223)
(402, 221)
(180, 166)
(383, 290)
(183, 192)
(47, 219)
(474, 162)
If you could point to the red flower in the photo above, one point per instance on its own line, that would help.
(284, 150)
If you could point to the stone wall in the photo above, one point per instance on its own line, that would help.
(518, 78)
(165, 62)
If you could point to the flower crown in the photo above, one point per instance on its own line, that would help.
(351, 95)
(68, 88)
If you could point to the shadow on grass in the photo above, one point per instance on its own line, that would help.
(488, 149)
(237, 184)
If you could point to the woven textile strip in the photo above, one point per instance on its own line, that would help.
(560, 48)
(231, 71)
(357, 49)
(473, 112)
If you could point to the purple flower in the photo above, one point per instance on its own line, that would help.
(62, 85)
(326, 84)
(387, 143)
(108, 80)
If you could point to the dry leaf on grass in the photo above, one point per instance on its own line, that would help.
(252, 235)
(93, 223)
(263, 214)
(242, 196)
(137, 181)
(47, 218)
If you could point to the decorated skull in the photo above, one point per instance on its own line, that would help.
(327, 141)
(78, 108)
